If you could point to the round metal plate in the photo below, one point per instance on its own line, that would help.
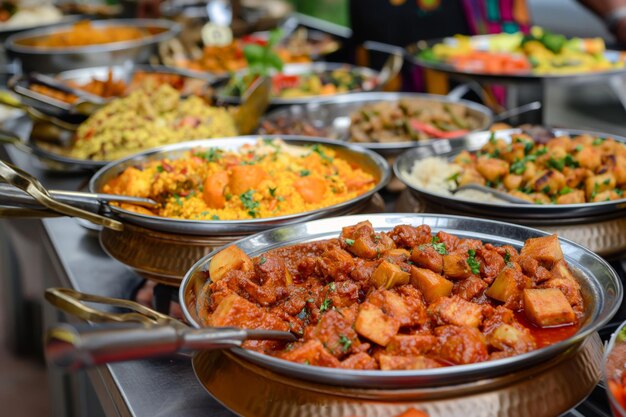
(552, 213)
(334, 115)
(371, 162)
(413, 50)
(601, 287)
(546, 390)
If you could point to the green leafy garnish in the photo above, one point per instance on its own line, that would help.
(332, 286)
(178, 200)
(211, 154)
(454, 176)
(159, 168)
(473, 263)
(578, 148)
(345, 342)
(247, 199)
(507, 257)
(349, 242)
(272, 191)
(565, 190)
(440, 247)
(597, 141)
(621, 336)
(326, 304)
(262, 260)
(305, 173)
(215, 217)
(262, 58)
(318, 150)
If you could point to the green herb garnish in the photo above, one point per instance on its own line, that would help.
(247, 199)
(345, 342)
(326, 304)
(440, 247)
(305, 173)
(262, 260)
(159, 168)
(597, 141)
(473, 263)
(210, 155)
(349, 242)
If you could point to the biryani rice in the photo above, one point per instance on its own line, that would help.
(148, 118)
(269, 179)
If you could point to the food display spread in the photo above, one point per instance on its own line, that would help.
(148, 118)
(404, 120)
(563, 170)
(398, 300)
(541, 52)
(614, 371)
(84, 34)
(270, 179)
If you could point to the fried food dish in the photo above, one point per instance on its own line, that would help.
(564, 170)
(398, 300)
(269, 179)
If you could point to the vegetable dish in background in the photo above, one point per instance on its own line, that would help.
(614, 372)
(563, 170)
(270, 179)
(148, 118)
(541, 52)
(398, 300)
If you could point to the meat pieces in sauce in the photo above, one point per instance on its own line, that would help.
(402, 299)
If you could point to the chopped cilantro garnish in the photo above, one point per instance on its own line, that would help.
(606, 181)
(247, 199)
(332, 286)
(262, 260)
(440, 247)
(453, 177)
(507, 257)
(597, 141)
(596, 189)
(280, 198)
(541, 151)
(528, 146)
(305, 173)
(211, 154)
(492, 137)
(318, 150)
(272, 191)
(557, 164)
(349, 242)
(546, 189)
(345, 342)
(215, 217)
(326, 304)
(473, 263)
(570, 161)
(565, 190)
(578, 148)
(619, 192)
(178, 200)
(159, 168)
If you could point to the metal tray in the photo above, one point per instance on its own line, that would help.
(552, 213)
(368, 160)
(334, 115)
(296, 69)
(601, 287)
(412, 51)
(54, 60)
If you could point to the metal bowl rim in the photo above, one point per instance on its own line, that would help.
(460, 370)
(378, 160)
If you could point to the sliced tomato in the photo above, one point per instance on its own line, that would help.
(282, 81)
(435, 132)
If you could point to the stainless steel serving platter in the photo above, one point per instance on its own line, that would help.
(551, 213)
(54, 60)
(334, 116)
(412, 54)
(299, 69)
(368, 160)
(600, 285)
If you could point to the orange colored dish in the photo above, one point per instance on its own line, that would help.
(399, 300)
(84, 34)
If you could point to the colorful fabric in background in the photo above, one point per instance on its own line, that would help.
(496, 16)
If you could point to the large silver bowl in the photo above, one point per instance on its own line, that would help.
(600, 285)
(334, 116)
(298, 69)
(368, 160)
(54, 60)
(549, 213)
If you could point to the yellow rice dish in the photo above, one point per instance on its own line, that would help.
(268, 179)
(147, 118)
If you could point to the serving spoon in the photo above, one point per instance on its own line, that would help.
(488, 190)
(140, 333)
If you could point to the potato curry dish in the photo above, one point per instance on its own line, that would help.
(267, 179)
(397, 300)
(564, 170)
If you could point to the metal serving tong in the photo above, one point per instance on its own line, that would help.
(34, 194)
(488, 190)
(140, 333)
(9, 100)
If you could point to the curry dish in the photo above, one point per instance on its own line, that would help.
(397, 300)
(85, 34)
(269, 179)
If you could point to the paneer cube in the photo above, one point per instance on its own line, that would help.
(311, 352)
(456, 266)
(492, 168)
(573, 197)
(510, 338)
(389, 362)
(548, 182)
(375, 325)
(431, 284)
(231, 258)
(598, 184)
(236, 311)
(506, 285)
(588, 157)
(455, 310)
(543, 249)
(546, 307)
(426, 256)
(411, 344)
(389, 275)
(512, 181)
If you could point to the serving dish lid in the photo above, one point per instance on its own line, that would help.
(553, 213)
(600, 285)
(367, 160)
(334, 115)
(413, 55)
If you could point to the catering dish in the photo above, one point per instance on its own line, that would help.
(299, 83)
(197, 282)
(382, 120)
(267, 179)
(83, 34)
(572, 173)
(144, 119)
(397, 300)
(537, 55)
(43, 47)
(615, 358)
